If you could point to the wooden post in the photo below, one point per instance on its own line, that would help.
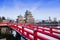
(35, 34)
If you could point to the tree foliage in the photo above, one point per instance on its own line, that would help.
(3, 18)
(0, 19)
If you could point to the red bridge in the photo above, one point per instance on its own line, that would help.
(35, 32)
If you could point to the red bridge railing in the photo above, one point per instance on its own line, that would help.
(33, 32)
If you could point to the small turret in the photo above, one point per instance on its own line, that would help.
(20, 19)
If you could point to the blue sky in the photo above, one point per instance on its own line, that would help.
(41, 9)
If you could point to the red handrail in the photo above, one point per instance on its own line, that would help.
(31, 31)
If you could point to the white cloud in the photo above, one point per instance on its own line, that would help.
(39, 10)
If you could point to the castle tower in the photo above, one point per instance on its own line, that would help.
(28, 17)
(20, 19)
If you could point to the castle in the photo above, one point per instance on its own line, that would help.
(28, 18)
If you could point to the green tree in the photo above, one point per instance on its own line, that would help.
(0, 19)
(3, 18)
